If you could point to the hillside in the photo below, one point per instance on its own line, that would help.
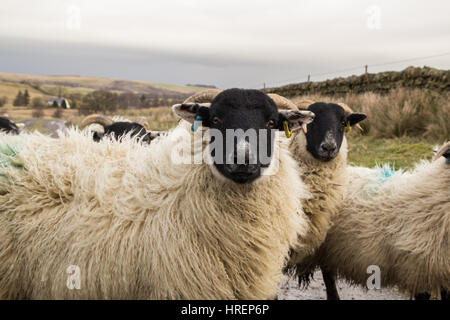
(49, 86)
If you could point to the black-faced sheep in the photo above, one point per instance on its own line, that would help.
(8, 126)
(322, 154)
(137, 223)
(117, 129)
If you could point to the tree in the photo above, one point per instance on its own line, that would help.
(18, 100)
(64, 104)
(142, 100)
(74, 104)
(128, 99)
(37, 102)
(99, 101)
(3, 101)
(55, 104)
(26, 98)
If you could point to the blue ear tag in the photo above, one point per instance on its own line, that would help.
(447, 161)
(197, 123)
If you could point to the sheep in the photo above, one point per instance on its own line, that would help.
(116, 128)
(8, 126)
(322, 154)
(140, 225)
(397, 221)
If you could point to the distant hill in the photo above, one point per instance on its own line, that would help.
(209, 86)
(49, 86)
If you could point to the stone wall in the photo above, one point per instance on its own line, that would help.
(411, 77)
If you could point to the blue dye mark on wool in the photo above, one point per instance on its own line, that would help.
(447, 161)
(8, 157)
(386, 172)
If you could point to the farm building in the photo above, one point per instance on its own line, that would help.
(59, 102)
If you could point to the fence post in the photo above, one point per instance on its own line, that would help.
(309, 77)
(365, 67)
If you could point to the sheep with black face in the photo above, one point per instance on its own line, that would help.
(322, 154)
(140, 226)
(326, 135)
(8, 126)
(118, 129)
(238, 116)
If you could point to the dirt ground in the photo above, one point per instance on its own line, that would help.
(316, 291)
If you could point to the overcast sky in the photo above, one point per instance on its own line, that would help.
(230, 43)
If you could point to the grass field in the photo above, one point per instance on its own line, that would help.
(398, 152)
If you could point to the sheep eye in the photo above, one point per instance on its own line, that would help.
(271, 124)
(215, 120)
(344, 123)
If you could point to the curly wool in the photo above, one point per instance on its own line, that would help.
(400, 224)
(139, 226)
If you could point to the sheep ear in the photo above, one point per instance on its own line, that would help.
(295, 119)
(189, 111)
(354, 118)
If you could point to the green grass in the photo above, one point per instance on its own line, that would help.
(399, 152)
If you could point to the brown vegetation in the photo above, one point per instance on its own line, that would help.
(402, 112)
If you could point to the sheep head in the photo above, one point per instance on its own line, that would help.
(242, 127)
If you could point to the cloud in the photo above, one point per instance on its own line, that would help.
(224, 42)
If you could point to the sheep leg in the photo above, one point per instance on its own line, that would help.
(422, 296)
(330, 283)
(444, 295)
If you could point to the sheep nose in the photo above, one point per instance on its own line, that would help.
(328, 147)
(241, 169)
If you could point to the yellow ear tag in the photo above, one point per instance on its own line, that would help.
(286, 129)
(349, 127)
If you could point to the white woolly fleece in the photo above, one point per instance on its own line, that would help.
(326, 183)
(138, 226)
(400, 223)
